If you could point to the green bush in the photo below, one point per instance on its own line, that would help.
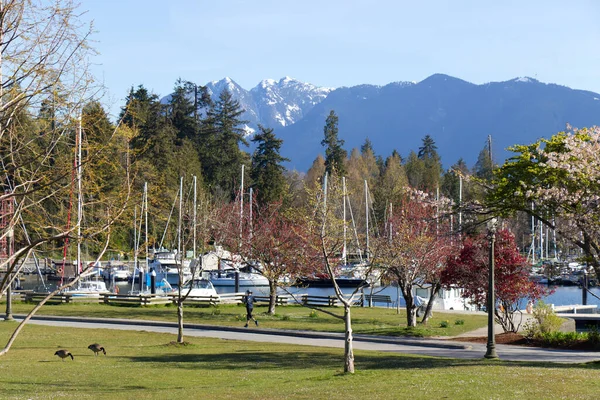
(444, 324)
(561, 339)
(547, 320)
(593, 336)
(313, 314)
(459, 322)
(285, 317)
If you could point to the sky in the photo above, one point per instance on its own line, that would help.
(337, 43)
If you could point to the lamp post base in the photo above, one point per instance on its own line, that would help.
(491, 352)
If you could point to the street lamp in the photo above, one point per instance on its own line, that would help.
(491, 305)
(9, 317)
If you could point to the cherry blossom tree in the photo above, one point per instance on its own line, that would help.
(470, 270)
(412, 248)
(560, 176)
(267, 239)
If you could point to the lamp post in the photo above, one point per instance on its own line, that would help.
(9, 316)
(491, 304)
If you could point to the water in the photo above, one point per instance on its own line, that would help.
(563, 295)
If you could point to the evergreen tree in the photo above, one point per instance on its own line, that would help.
(182, 112)
(142, 113)
(451, 182)
(315, 173)
(367, 147)
(432, 166)
(415, 170)
(267, 171)
(483, 166)
(335, 155)
(428, 149)
(391, 185)
(222, 135)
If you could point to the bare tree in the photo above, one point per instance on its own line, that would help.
(44, 85)
(323, 240)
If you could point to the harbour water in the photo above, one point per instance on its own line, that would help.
(562, 295)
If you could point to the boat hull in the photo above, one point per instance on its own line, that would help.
(342, 282)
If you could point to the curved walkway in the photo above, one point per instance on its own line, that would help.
(428, 347)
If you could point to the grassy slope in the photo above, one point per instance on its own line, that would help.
(375, 321)
(144, 365)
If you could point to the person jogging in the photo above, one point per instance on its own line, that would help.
(249, 302)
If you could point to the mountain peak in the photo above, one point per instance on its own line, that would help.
(287, 79)
(525, 79)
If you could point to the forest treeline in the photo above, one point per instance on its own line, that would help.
(192, 135)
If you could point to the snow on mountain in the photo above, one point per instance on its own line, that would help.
(273, 104)
(285, 102)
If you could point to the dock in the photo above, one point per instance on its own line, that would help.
(585, 316)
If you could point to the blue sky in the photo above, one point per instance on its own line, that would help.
(342, 42)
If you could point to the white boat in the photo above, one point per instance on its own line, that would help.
(117, 273)
(166, 266)
(199, 288)
(86, 288)
(447, 298)
(227, 278)
(162, 287)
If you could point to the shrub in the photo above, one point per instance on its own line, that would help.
(593, 336)
(459, 322)
(546, 318)
(285, 318)
(531, 329)
(313, 314)
(444, 324)
(560, 339)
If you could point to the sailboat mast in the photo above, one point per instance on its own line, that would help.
(135, 246)
(241, 206)
(79, 195)
(460, 190)
(344, 251)
(250, 216)
(195, 200)
(324, 205)
(180, 218)
(367, 219)
(391, 223)
(146, 224)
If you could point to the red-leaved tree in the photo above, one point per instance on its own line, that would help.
(267, 238)
(470, 270)
(413, 247)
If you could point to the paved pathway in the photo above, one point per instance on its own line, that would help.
(428, 347)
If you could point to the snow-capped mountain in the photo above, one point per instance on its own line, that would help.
(285, 102)
(271, 103)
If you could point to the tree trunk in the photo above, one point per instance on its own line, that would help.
(272, 296)
(348, 351)
(180, 321)
(411, 309)
(435, 290)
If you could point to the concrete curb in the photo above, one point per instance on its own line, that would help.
(278, 332)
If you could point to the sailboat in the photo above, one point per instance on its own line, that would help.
(85, 287)
(228, 270)
(353, 269)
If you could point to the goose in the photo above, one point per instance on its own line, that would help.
(96, 348)
(64, 354)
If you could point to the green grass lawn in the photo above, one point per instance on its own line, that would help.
(372, 321)
(142, 365)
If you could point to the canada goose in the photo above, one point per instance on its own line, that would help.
(64, 354)
(96, 348)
